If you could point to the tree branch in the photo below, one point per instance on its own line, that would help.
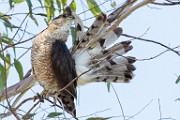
(18, 88)
(169, 3)
(119, 102)
(147, 40)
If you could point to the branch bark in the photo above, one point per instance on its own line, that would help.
(17, 88)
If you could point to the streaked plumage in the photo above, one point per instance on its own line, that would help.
(52, 64)
(91, 59)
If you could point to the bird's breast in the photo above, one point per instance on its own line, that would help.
(42, 68)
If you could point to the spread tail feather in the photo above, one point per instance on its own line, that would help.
(67, 103)
(112, 65)
(106, 65)
(96, 61)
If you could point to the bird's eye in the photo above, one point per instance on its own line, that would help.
(64, 15)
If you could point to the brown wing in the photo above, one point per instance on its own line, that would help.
(63, 65)
(64, 69)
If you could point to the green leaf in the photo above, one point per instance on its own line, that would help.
(8, 63)
(19, 1)
(49, 5)
(113, 4)
(11, 3)
(8, 59)
(63, 2)
(34, 19)
(5, 39)
(6, 21)
(58, 2)
(73, 6)
(98, 118)
(5, 17)
(29, 6)
(73, 34)
(9, 25)
(108, 86)
(54, 114)
(178, 79)
(19, 68)
(2, 77)
(46, 3)
(94, 8)
(28, 116)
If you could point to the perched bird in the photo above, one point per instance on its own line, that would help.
(91, 59)
(52, 64)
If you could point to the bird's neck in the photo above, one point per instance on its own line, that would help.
(56, 34)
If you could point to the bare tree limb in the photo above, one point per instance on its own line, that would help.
(18, 88)
(152, 41)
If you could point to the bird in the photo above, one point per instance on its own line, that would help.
(52, 64)
(93, 58)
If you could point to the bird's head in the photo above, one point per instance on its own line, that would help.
(63, 21)
(59, 27)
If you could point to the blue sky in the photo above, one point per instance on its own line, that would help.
(154, 79)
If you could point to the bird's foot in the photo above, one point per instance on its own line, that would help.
(41, 96)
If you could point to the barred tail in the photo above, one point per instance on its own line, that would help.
(98, 61)
(67, 103)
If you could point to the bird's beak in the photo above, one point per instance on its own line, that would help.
(68, 11)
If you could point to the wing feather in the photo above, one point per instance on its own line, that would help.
(63, 65)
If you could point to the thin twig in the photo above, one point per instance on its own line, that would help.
(23, 54)
(119, 102)
(54, 104)
(32, 108)
(93, 7)
(167, 118)
(93, 113)
(74, 80)
(152, 41)
(24, 32)
(20, 26)
(141, 110)
(144, 59)
(12, 45)
(127, 13)
(170, 3)
(3, 115)
(159, 104)
(24, 101)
